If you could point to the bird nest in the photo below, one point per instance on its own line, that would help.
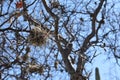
(36, 68)
(38, 37)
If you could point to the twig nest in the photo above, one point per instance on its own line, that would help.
(36, 68)
(38, 37)
(55, 3)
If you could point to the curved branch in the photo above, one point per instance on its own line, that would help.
(85, 46)
(92, 34)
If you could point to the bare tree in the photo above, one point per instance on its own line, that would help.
(43, 38)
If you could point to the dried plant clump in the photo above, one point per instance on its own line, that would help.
(33, 68)
(38, 37)
(41, 69)
(36, 68)
(56, 64)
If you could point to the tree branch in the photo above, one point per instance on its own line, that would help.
(92, 34)
(64, 52)
(85, 46)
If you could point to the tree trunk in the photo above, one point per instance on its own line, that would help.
(77, 76)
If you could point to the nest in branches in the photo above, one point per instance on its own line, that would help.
(38, 37)
(36, 68)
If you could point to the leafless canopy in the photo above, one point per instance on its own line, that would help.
(76, 30)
